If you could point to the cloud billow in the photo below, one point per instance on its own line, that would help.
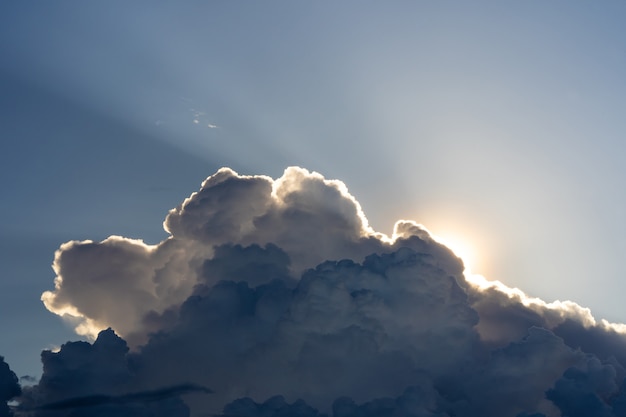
(279, 297)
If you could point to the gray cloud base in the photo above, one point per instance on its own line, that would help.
(278, 296)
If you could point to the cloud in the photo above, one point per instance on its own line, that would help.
(100, 377)
(9, 388)
(28, 379)
(360, 330)
(134, 277)
(417, 400)
(310, 218)
(200, 117)
(591, 388)
(275, 406)
(277, 294)
(136, 397)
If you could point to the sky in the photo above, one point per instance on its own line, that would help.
(497, 126)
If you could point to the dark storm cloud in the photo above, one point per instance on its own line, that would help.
(279, 296)
(591, 388)
(9, 388)
(100, 376)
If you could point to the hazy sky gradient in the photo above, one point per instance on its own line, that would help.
(499, 124)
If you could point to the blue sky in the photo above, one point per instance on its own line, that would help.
(497, 124)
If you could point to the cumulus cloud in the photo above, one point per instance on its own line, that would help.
(279, 296)
(310, 218)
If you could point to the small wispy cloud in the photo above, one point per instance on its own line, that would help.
(28, 379)
(199, 118)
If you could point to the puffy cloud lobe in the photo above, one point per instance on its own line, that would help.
(270, 291)
(9, 388)
(506, 314)
(591, 388)
(517, 376)
(311, 218)
(82, 369)
(605, 343)
(118, 281)
(222, 210)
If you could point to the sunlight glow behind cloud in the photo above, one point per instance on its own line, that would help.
(461, 246)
